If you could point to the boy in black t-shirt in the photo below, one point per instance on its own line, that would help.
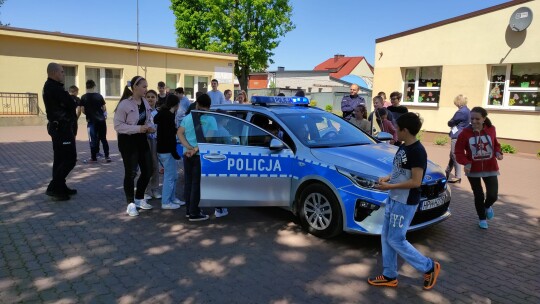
(396, 108)
(162, 95)
(93, 106)
(74, 92)
(404, 184)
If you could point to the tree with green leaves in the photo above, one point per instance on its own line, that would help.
(249, 28)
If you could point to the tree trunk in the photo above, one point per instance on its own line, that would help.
(243, 77)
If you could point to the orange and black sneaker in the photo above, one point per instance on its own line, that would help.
(381, 280)
(430, 277)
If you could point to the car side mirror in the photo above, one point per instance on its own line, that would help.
(384, 136)
(276, 144)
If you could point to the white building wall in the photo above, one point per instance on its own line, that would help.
(305, 82)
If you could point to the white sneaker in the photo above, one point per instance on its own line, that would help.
(156, 194)
(147, 196)
(221, 212)
(170, 206)
(141, 203)
(132, 210)
(178, 202)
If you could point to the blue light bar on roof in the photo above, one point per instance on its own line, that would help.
(279, 100)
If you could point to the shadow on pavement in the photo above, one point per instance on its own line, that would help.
(88, 250)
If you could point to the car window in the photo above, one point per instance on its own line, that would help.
(324, 130)
(234, 131)
(273, 127)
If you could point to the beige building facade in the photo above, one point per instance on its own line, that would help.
(25, 54)
(477, 55)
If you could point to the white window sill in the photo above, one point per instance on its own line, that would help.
(514, 109)
(419, 104)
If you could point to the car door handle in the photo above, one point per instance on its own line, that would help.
(214, 157)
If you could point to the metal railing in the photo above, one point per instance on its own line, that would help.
(19, 104)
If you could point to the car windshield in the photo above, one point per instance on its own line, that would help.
(324, 130)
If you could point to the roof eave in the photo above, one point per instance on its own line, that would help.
(452, 20)
(119, 43)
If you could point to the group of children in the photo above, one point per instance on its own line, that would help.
(403, 183)
(171, 130)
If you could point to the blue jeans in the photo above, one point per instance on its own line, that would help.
(192, 184)
(97, 132)
(170, 175)
(397, 218)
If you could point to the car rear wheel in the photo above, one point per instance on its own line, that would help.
(319, 211)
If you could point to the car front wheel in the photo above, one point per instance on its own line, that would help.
(319, 211)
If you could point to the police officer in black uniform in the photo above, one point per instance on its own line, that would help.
(61, 115)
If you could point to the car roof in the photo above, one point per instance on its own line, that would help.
(276, 109)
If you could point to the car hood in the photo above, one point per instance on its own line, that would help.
(370, 159)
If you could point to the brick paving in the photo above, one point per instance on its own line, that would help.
(87, 250)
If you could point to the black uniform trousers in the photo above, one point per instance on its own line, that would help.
(65, 155)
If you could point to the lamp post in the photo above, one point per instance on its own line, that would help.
(138, 45)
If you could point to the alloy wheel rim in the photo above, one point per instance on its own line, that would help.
(317, 211)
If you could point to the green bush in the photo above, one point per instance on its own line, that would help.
(441, 140)
(538, 154)
(313, 103)
(419, 135)
(329, 108)
(507, 148)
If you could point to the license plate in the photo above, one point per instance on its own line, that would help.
(433, 203)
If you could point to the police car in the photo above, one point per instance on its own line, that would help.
(278, 151)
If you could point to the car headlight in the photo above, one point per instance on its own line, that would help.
(361, 180)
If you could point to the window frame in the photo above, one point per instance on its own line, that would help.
(418, 88)
(103, 80)
(178, 76)
(75, 75)
(507, 90)
(196, 83)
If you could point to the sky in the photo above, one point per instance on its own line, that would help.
(323, 27)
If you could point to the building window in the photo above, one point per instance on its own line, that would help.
(194, 84)
(171, 81)
(422, 85)
(107, 80)
(70, 73)
(514, 86)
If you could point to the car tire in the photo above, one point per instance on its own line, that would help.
(319, 211)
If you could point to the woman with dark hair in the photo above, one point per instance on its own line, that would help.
(166, 149)
(385, 124)
(478, 149)
(132, 123)
(127, 93)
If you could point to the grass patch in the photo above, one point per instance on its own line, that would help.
(507, 148)
(441, 140)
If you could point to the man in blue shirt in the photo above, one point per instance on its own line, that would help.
(216, 95)
(184, 105)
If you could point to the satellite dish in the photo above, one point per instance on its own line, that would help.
(521, 19)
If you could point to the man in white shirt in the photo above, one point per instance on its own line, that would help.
(215, 95)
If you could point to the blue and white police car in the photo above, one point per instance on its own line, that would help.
(278, 151)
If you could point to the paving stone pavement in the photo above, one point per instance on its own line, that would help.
(87, 250)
